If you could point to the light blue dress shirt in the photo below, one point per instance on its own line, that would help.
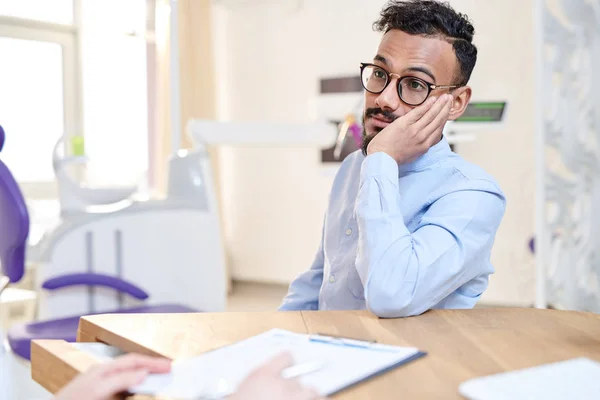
(400, 240)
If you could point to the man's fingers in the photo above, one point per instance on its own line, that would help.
(439, 121)
(432, 113)
(120, 382)
(425, 133)
(136, 362)
(417, 113)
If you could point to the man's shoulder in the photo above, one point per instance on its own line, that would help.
(473, 176)
(471, 189)
(354, 158)
(346, 176)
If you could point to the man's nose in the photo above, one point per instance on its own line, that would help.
(388, 100)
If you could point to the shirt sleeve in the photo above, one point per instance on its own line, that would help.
(406, 274)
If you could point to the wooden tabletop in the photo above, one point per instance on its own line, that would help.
(461, 344)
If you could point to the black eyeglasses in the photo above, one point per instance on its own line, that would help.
(411, 90)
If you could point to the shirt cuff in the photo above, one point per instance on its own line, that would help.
(379, 164)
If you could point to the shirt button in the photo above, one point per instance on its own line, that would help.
(331, 278)
(348, 232)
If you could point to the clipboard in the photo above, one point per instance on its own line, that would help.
(343, 363)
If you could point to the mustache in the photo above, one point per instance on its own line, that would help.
(380, 113)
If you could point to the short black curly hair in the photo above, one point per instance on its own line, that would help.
(433, 19)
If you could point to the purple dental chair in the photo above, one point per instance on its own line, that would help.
(14, 231)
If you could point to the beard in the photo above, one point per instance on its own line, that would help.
(369, 112)
(367, 139)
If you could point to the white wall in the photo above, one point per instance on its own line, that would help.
(271, 56)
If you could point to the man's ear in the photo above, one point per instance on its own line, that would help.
(462, 96)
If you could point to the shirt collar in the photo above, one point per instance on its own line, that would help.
(435, 153)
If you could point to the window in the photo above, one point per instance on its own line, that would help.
(36, 102)
(45, 91)
(115, 98)
(56, 11)
(31, 100)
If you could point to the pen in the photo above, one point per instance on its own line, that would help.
(344, 337)
(340, 342)
(345, 342)
(301, 369)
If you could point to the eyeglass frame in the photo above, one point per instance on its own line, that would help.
(430, 86)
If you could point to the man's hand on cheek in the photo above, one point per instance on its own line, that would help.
(411, 135)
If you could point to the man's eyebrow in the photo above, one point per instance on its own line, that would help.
(380, 58)
(422, 70)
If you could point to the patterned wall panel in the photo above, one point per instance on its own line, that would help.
(570, 95)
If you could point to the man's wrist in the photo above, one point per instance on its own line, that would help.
(379, 164)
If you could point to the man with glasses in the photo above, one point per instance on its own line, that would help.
(410, 225)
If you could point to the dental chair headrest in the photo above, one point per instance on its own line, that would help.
(1, 137)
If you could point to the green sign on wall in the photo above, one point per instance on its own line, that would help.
(483, 112)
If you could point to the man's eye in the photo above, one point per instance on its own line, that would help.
(379, 74)
(416, 85)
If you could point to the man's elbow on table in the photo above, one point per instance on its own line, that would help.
(392, 305)
(383, 310)
(412, 300)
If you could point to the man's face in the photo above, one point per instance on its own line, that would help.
(430, 59)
